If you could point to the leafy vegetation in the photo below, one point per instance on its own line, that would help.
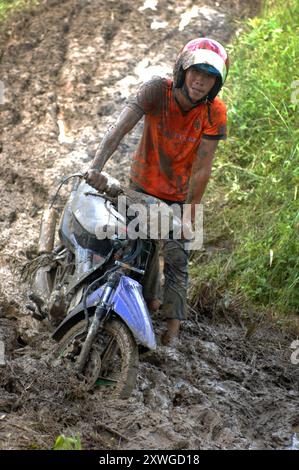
(253, 215)
(67, 443)
(9, 6)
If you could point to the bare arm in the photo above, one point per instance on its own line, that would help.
(127, 119)
(201, 172)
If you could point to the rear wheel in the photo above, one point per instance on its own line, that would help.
(112, 364)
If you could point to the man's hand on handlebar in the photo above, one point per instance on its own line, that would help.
(96, 179)
(100, 182)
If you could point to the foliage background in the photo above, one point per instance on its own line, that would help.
(252, 217)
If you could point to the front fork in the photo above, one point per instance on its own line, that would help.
(98, 318)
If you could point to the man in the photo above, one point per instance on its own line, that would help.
(184, 120)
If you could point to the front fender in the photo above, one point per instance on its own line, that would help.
(128, 303)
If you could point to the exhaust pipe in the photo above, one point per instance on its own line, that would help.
(47, 231)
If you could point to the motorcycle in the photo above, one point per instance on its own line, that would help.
(90, 287)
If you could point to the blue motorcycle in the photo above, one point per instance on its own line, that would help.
(90, 288)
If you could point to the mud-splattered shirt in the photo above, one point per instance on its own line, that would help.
(163, 161)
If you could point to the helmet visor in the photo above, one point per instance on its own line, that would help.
(207, 68)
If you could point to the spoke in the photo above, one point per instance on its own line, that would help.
(108, 353)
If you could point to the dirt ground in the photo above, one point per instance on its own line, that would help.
(68, 68)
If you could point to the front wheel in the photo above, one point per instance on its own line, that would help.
(113, 360)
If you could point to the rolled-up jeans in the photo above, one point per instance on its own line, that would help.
(175, 274)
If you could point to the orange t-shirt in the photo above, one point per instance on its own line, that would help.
(163, 161)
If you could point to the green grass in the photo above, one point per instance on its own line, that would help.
(67, 443)
(253, 211)
(8, 7)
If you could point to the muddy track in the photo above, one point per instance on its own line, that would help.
(68, 68)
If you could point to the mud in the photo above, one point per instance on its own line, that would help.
(68, 68)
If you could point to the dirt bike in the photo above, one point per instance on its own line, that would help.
(90, 287)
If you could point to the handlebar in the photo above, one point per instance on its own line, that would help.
(112, 190)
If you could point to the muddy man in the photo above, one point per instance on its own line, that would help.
(183, 122)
